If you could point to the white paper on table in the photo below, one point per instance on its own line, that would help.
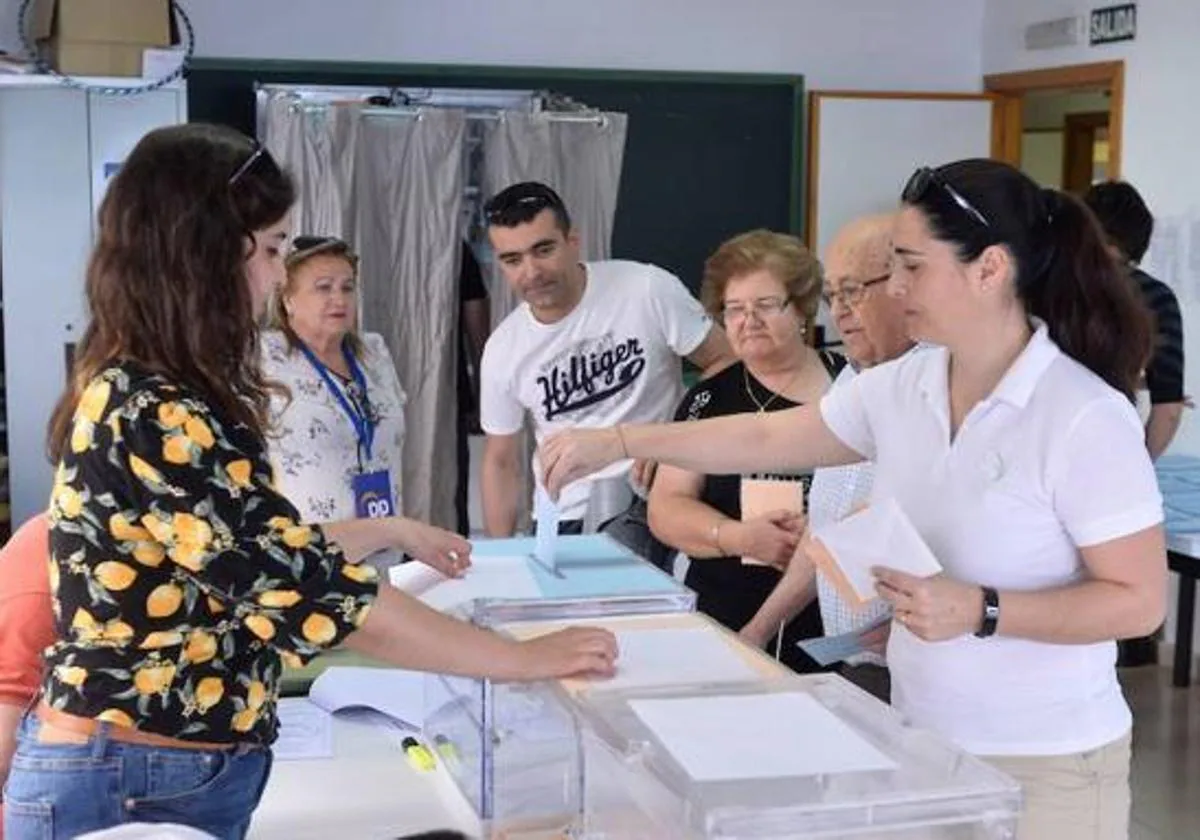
(879, 535)
(757, 736)
(305, 730)
(488, 577)
(545, 514)
(675, 656)
(393, 692)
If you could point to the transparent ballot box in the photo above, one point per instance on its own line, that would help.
(799, 757)
(592, 575)
(513, 750)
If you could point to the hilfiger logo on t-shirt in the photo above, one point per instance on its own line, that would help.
(590, 373)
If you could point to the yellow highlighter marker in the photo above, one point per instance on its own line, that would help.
(418, 755)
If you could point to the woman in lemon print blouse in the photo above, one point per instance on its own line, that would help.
(182, 580)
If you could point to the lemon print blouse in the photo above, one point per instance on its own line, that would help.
(182, 579)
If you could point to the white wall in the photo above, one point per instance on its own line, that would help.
(854, 44)
(1042, 157)
(1159, 137)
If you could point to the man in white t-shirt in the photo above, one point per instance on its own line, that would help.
(592, 345)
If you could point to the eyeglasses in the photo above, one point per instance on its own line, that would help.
(925, 179)
(259, 151)
(852, 294)
(762, 308)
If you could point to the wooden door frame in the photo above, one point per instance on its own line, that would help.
(1081, 127)
(1009, 88)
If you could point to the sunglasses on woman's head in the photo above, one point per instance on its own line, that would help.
(257, 153)
(926, 179)
(308, 242)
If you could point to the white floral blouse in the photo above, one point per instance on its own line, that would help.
(312, 444)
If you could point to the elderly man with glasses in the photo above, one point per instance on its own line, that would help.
(871, 324)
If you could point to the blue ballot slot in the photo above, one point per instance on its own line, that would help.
(589, 566)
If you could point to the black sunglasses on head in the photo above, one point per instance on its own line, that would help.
(257, 153)
(926, 179)
(505, 202)
(309, 242)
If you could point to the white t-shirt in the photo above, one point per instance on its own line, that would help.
(1051, 462)
(613, 359)
(312, 444)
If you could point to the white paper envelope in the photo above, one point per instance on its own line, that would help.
(758, 497)
(879, 535)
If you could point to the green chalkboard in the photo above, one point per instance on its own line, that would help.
(706, 156)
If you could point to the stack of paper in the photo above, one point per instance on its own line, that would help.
(757, 736)
(880, 535)
(676, 656)
(397, 694)
(305, 730)
(488, 577)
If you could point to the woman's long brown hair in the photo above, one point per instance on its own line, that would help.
(166, 283)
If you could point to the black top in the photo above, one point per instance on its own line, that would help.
(728, 590)
(470, 287)
(1164, 374)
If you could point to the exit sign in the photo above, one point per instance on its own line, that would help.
(1112, 24)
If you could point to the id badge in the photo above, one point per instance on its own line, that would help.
(373, 495)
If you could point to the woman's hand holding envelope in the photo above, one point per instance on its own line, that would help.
(771, 539)
(936, 608)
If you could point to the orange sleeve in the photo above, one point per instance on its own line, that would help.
(26, 614)
(26, 629)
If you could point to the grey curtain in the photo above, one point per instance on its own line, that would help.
(409, 173)
(581, 159)
(318, 145)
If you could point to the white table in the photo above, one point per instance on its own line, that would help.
(368, 791)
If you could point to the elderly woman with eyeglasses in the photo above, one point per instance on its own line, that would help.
(337, 435)
(741, 530)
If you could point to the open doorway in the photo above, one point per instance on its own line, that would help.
(1065, 138)
(1061, 126)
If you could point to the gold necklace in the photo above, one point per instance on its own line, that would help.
(762, 407)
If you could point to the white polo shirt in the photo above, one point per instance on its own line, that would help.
(1053, 461)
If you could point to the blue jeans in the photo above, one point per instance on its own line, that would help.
(63, 790)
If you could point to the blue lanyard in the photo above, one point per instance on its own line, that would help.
(364, 426)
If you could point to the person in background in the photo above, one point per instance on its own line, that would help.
(871, 323)
(26, 629)
(740, 530)
(474, 326)
(593, 344)
(1128, 224)
(1009, 440)
(182, 580)
(336, 436)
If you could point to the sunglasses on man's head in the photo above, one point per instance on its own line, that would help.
(926, 179)
(501, 205)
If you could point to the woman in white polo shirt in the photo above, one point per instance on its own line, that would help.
(1011, 441)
